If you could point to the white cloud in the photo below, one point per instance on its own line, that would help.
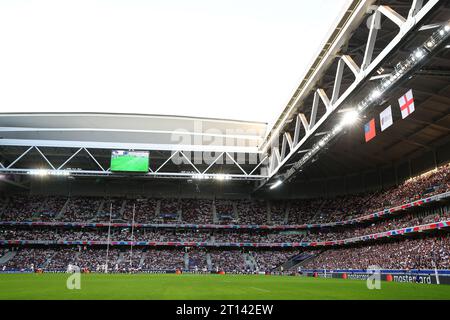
(225, 59)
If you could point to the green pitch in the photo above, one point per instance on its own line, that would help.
(129, 163)
(216, 287)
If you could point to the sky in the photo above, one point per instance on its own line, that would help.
(231, 59)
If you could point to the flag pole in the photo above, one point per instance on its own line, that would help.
(132, 237)
(109, 238)
(436, 273)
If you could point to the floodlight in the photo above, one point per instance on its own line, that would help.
(419, 54)
(276, 184)
(38, 172)
(375, 94)
(199, 176)
(222, 177)
(350, 118)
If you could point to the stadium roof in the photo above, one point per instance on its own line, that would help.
(426, 130)
(130, 131)
(82, 142)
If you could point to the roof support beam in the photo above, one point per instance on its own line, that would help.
(45, 158)
(18, 158)
(374, 27)
(70, 158)
(301, 121)
(315, 106)
(352, 65)
(362, 75)
(287, 143)
(392, 15)
(416, 6)
(338, 81)
(323, 96)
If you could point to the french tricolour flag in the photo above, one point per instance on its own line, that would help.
(369, 130)
(406, 103)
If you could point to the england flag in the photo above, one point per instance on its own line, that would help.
(406, 104)
(386, 118)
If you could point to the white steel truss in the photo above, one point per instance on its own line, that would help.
(197, 173)
(292, 142)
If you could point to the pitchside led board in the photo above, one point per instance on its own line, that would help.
(129, 161)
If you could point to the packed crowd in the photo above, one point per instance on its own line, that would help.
(252, 212)
(348, 207)
(402, 221)
(225, 212)
(170, 206)
(408, 254)
(102, 235)
(94, 260)
(28, 259)
(144, 211)
(418, 217)
(278, 212)
(269, 260)
(82, 209)
(20, 208)
(163, 260)
(197, 211)
(228, 261)
(422, 253)
(198, 260)
(256, 236)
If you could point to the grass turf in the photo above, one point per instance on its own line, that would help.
(208, 287)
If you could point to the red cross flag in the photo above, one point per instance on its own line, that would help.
(406, 104)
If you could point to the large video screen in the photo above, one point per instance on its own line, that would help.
(129, 161)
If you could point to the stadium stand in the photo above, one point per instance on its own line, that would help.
(228, 261)
(197, 211)
(144, 210)
(424, 253)
(252, 212)
(62, 212)
(225, 211)
(81, 209)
